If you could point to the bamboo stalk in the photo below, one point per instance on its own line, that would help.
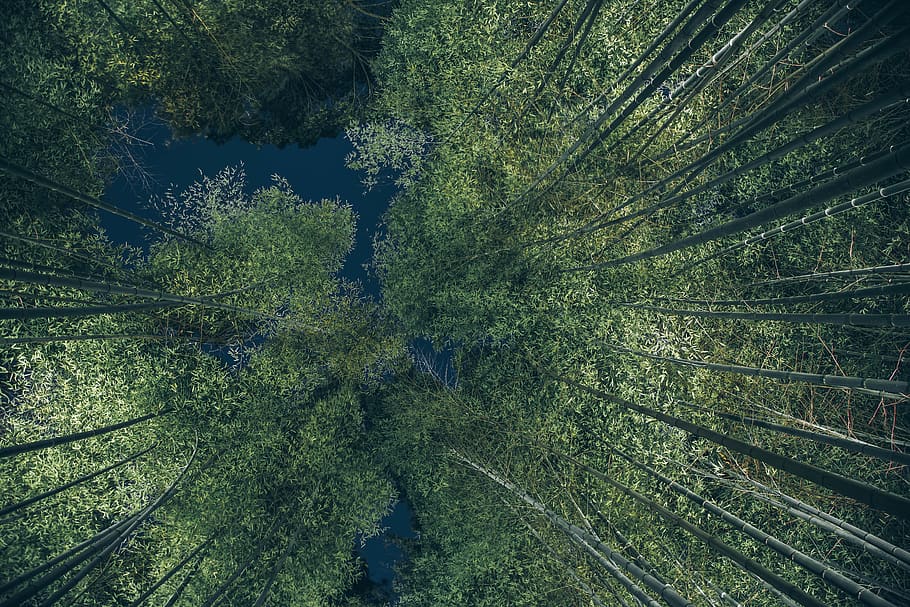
(885, 388)
(827, 574)
(23, 173)
(77, 436)
(884, 168)
(865, 493)
(853, 320)
(78, 481)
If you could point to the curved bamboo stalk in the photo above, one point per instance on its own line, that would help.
(805, 37)
(659, 39)
(701, 38)
(43, 339)
(568, 569)
(823, 524)
(801, 93)
(63, 250)
(178, 592)
(67, 554)
(887, 101)
(122, 537)
(538, 34)
(820, 515)
(579, 25)
(585, 34)
(79, 311)
(610, 567)
(700, 17)
(898, 288)
(260, 547)
(599, 222)
(292, 543)
(706, 73)
(812, 84)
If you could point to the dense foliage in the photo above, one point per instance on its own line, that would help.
(666, 241)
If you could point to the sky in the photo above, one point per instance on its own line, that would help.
(314, 173)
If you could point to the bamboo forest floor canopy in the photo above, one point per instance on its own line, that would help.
(642, 330)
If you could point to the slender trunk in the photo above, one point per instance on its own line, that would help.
(110, 536)
(828, 575)
(257, 552)
(641, 597)
(684, 13)
(173, 571)
(804, 37)
(530, 45)
(677, 42)
(110, 288)
(865, 493)
(706, 73)
(580, 22)
(178, 592)
(600, 222)
(804, 91)
(585, 34)
(665, 591)
(853, 203)
(63, 250)
(898, 288)
(893, 164)
(817, 515)
(852, 273)
(87, 477)
(885, 388)
(33, 297)
(67, 554)
(568, 569)
(23, 173)
(7, 341)
(292, 543)
(119, 540)
(700, 39)
(71, 438)
(810, 87)
(847, 444)
(852, 117)
(852, 320)
(748, 564)
(80, 311)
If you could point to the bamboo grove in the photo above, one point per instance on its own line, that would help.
(668, 243)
